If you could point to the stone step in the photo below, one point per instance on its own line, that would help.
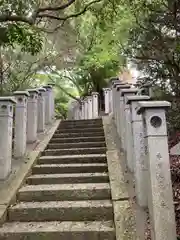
(62, 211)
(82, 121)
(76, 145)
(87, 125)
(80, 130)
(77, 139)
(64, 192)
(69, 168)
(75, 151)
(94, 230)
(79, 134)
(68, 178)
(65, 159)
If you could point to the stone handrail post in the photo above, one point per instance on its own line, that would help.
(160, 200)
(86, 108)
(41, 109)
(73, 109)
(20, 138)
(114, 83)
(115, 98)
(82, 109)
(118, 105)
(107, 100)
(32, 112)
(52, 100)
(48, 104)
(90, 107)
(6, 119)
(137, 150)
(110, 100)
(95, 104)
(126, 131)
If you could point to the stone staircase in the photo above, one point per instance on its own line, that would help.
(67, 196)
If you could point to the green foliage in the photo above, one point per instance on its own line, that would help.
(28, 38)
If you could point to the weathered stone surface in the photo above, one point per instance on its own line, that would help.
(3, 213)
(77, 126)
(58, 230)
(68, 178)
(78, 139)
(109, 134)
(116, 177)
(87, 158)
(61, 192)
(69, 168)
(80, 134)
(55, 152)
(123, 214)
(62, 211)
(175, 150)
(76, 145)
(124, 221)
(79, 130)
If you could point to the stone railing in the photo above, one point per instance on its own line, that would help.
(22, 117)
(87, 108)
(141, 126)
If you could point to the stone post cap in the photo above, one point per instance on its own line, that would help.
(47, 86)
(8, 99)
(21, 93)
(32, 91)
(51, 84)
(130, 90)
(41, 89)
(137, 98)
(152, 105)
(147, 85)
(106, 89)
(115, 83)
(89, 97)
(122, 86)
(95, 93)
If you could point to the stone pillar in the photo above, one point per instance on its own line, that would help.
(77, 110)
(118, 110)
(90, 107)
(20, 137)
(70, 110)
(86, 108)
(6, 123)
(110, 100)
(48, 104)
(138, 151)
(95, 103)
(82, 110)
(160, 200)
(32, 116)
(41, 109)
(107, 99)
(52, 100)
(73, 104)
(114, 84)
(125, 121)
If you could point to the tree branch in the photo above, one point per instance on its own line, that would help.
(39, 13)
(69, 16)
(62, 7)
(6, 18)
